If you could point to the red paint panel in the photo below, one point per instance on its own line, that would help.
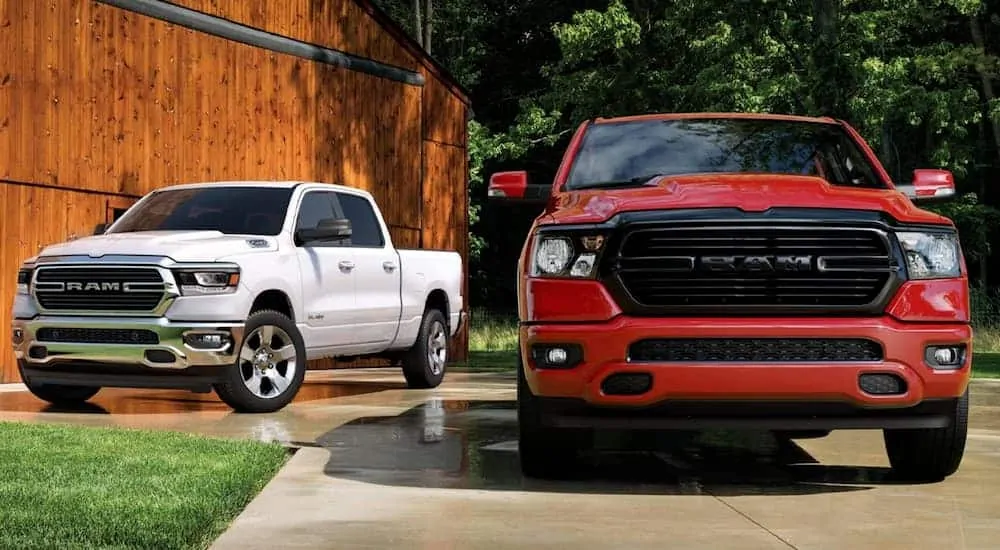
(942, 301)
(605, 346)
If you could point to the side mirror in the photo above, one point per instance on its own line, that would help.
(514, 186)
(100, 228)
(929, 185)
(329, 229)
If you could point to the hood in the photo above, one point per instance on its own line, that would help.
(748, 192)
(181, 246)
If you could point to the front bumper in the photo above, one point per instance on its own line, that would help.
(605, 348)
(77, 347)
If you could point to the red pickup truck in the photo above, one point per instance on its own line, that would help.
(695, 271)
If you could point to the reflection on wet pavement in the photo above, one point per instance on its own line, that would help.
(127, 401)
(473, 445)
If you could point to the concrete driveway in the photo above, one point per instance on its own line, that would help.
(379, 466)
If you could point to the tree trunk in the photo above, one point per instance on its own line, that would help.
(418, 26)
(428, 25)
(826, 15)
(987, 84)
(987, 88)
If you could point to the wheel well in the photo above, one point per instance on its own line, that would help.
(438, 300)
(275, 300)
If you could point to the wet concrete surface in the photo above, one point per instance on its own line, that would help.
(385, 467)
(472, 445)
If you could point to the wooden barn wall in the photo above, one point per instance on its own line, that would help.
(338, 24)
(445, 181)
(115, 104)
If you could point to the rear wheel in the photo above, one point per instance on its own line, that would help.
(425, 362)
(270, 368)
(544, 452)
(930, 454)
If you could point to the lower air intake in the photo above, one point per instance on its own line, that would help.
(632, 383)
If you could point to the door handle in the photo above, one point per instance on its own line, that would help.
(346, 265)
(389, 267)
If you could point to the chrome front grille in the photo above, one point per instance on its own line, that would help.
(98, 288)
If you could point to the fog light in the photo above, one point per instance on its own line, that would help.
(945, 357)
(18, 336)
(556, 356)
(206, 340)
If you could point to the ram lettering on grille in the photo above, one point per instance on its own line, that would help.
(99, 288)
(742, 267)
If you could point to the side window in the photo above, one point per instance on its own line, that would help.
(315, 206)
(366, 231)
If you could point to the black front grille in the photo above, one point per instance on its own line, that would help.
(90, 288)
(742, 266)
(754, 350)
(97, 336)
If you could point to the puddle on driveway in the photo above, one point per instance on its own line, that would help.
(132, 401)
(473, 445)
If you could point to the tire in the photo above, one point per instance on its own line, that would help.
(544, 452)
(801, 434)
(59, 394)
(931, 454)
(425, 363)
(267, 375)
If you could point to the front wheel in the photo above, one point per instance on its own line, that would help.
(930, 454)
(544, 452)
(270, 368)
(425, 362)
(59, 394)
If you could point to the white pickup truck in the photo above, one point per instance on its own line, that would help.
(232, 286)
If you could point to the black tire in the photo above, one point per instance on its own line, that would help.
(59, 394)
(419, 369)
(932, 454)
(544, 452)
(234, 391)
(801, 434)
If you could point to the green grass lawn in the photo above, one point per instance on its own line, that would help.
(73, 487)
(986, 365)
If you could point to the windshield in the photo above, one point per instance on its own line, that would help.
(619, 152)
(250, 210)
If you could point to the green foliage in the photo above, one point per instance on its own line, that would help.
(976, 224)
(914, 76)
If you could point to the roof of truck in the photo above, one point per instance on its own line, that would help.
(677, 116)
(283, 184)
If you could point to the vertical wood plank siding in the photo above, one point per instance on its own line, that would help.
(99, 103)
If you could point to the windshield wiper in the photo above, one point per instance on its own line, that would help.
(637, 181)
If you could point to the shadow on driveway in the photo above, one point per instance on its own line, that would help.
(155, 402)
(473, 445)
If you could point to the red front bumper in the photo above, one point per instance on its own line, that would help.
(605, 346)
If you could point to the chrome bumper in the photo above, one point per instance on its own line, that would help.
(34, 352)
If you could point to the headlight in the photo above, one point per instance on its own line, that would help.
(567, 255)
(24, 280)
(931, 255)
(194, 282)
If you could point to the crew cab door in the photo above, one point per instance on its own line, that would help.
(327, 271)
(377, 272)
